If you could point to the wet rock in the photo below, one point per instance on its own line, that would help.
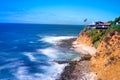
(66, 43)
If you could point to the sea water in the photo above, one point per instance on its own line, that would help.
(27, 51)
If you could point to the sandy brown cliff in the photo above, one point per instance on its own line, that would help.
(84, 38)
(106, 61)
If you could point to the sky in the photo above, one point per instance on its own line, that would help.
(58, 11)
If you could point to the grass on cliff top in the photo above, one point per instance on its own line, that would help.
(98, 35)
(113, 28)
(117, 27)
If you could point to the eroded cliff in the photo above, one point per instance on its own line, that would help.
(84, 38)
(106, 61)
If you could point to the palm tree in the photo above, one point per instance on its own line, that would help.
(85, 20)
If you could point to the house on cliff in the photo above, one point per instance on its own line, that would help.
(118, 23)
(99, 25)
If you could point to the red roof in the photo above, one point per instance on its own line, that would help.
(91, 25)
(100, 24)
(104, 24)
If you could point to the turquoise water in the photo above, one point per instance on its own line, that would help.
(27, 50)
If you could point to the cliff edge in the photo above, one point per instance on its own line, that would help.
(106, 60)
(84, 38)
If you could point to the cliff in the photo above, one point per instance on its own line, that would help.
(106, 60)
(84, 38)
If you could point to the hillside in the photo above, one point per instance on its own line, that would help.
(106, 61)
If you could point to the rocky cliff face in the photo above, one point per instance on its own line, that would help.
(106, 61)
(84, 38)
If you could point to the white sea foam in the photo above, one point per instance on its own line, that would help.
(55, 39)
(50, 52)
(55, 53)
(11, 65)
(22, 74)
(30, 56)
(53, 72)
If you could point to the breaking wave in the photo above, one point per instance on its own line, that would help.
(53, 72)
(55, 39)
(50, 52)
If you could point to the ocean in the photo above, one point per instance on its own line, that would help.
(27, 51)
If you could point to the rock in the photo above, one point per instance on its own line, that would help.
(84, 38)
(66, 43)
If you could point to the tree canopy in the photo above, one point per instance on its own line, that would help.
(114, 21)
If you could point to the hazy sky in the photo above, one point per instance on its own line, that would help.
(58, 11)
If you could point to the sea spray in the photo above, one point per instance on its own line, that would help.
(55, 39)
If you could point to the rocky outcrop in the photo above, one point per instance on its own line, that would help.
(106, 61)
(84, 38)
(84, 44)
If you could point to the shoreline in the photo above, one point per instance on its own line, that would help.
(83, 49)
(79, 69)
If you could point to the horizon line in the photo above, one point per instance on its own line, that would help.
(38, 23)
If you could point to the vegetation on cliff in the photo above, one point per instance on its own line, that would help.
(106, 60)
(114, 21)
(97, 35)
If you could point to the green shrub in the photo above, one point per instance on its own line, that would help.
(96, 44)
(97, 35)
(117, 27)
